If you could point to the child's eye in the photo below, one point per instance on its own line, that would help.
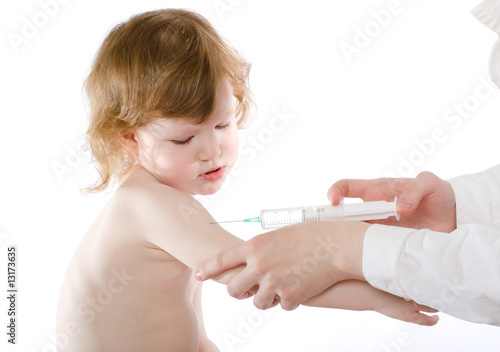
(221, 127)
(185, 141)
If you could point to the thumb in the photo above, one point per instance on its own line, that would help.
(421, 186)
(223, 261)
(405, 204)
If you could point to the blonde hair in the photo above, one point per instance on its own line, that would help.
(159, 64)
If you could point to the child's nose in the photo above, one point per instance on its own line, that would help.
(210, 149)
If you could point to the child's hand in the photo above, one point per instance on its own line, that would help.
(423, 202)
(359, 296)
(398, 308)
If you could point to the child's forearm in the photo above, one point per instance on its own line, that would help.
(349, 294)
(359, 295)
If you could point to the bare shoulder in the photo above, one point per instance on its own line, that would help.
(155, 203)
(172, 220)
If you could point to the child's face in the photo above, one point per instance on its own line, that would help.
(195, 159)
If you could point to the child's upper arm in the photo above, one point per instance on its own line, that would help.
(179, 224)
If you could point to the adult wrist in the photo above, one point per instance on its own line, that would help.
(349, 257)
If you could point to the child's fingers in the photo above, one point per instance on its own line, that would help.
(426, 309)
(417, 317)
(424, 319)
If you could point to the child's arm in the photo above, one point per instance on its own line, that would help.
(359, 295)
(205, 344)
(178, 224)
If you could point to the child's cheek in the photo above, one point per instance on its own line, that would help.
(235, 144)
(169, 161)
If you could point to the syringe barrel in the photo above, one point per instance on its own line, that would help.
(276, 218)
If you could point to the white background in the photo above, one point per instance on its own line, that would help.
(365, 115)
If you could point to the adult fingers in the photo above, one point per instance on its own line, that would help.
(242, 284)
(353, 188)
(344, 188)
(275, 302)
(223, 261)
(265, 298)
(289, 302)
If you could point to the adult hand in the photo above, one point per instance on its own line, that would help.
(292, 264)
(423, 202)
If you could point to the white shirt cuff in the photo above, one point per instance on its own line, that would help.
(382, 248)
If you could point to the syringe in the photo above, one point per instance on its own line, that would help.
(275, 218)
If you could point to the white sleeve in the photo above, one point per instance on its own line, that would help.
(456, 273)
(478, 197)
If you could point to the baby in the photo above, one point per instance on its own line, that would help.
(167, 96)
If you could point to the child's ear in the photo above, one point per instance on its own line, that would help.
(128, 140)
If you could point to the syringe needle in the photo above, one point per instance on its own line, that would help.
(256, 219)
(223, 222)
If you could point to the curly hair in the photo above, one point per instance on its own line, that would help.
(159, 64)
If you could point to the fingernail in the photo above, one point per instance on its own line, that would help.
(244, 296)
(403, 204)
(197, 275)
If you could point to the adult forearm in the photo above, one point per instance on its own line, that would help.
(455, 273)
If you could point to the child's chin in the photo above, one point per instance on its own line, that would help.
(211, 188)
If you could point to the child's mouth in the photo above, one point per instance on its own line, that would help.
(212, 171)
(213, 174)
